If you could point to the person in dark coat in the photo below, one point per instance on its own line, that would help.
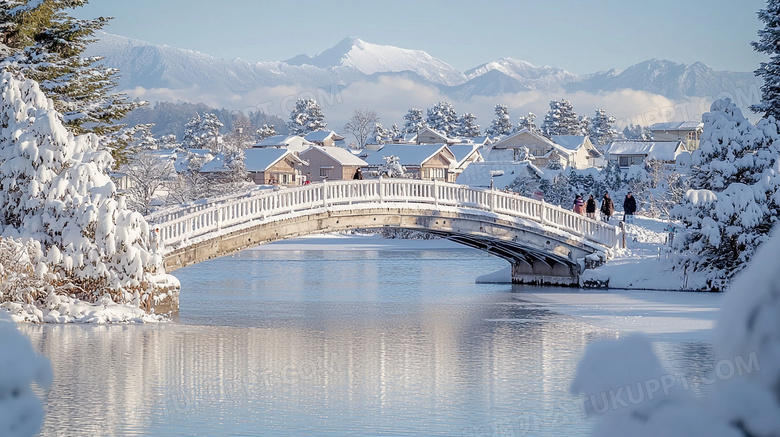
(590, 207)
(607, 208)
(358, 174)
(629, 208)
(578, 204)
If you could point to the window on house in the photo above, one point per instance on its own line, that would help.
(326, 172)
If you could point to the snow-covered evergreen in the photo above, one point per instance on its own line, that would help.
(467, 126)
(561, 120)
(203, 133)
(527, 122)
(306, 117)
(443, 118)
(54, 189)
(501, 125)
(267, 130)
(735, 195)
(769, 43)
(413, 121)
(601, 131)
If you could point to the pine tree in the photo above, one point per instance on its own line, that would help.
(527, 122)
(46, 45)
(769, 43)
(501, 125)
(442, 118)
(561, 120)
(584, 125)
(467, 126)
(414, 121)
(601, 132)
(734, 201)
(264, 132)
(395, 131)
(203, 133)
(306, 117)
(637, 132)
(380, 134)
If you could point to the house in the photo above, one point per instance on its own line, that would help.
(293, 143)
(216, 169)
(272, 166)
(465, 155)
(628, 153)
(427, 135)
(542, 149)
(502, 174)
(689, 132)
(192, 159)
(584, 153)
(425, 161)
(325, 138)
(330, 163)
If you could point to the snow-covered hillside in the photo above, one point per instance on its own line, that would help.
(147, 66)
(374, 58)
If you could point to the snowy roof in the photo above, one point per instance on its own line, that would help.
(257, 160)
(462, 151)
(200, 152)
(409, 137)
(322, 135)
(678, 125)
(501, 155)
(571, 142)
(277, 140)
(216, 165)
(407, 154)
(477, 174)
(662, 150)
(342, 156)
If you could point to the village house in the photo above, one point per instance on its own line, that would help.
(427, 135)
(325, 138)
(583, 153)
(465, 155)
(500, 174)
(689, 132)
(330, 163)
(272, 166)
(424, 161)
(628, 153)
(294, 143)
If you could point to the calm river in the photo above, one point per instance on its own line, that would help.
(332, 337)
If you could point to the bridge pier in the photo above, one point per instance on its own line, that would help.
(541, 272)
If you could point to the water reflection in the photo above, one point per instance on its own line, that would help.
(324, 344)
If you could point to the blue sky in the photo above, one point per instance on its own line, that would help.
(582, 37)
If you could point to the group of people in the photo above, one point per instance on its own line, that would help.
(607, 207)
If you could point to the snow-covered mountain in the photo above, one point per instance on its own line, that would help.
(150, 66)
(370, 58)
(668, 79)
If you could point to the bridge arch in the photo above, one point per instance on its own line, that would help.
(544, 243)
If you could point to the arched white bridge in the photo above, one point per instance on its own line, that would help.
(544, 243)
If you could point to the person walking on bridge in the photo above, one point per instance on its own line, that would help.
(629, 208)
(590, 207)
(607, 208)
(358, 174)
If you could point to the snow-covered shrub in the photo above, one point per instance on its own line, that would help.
(21, 412)
(55, 190)
(23, 271)
(625, 383)
(734, 199)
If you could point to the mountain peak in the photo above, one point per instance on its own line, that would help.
(371, 58)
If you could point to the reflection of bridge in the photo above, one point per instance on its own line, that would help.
(544, 243)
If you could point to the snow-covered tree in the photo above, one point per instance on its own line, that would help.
(769, 43)
(467, 126)
(203, 133)
(264, 132)
(443, 118)
(306, 117)
(501, 125)
(601, 131)
(380, 134)
(561, 120)
(527, 122)
(637, 132)
(147, 174)
(735, 195)
(168, 142)
(395, 131)
(46, 44)
(413, 121)
(55, 189)
(362, 125)
(584, 125)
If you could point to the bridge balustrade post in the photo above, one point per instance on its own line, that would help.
(324, 192)
(219, 218)
(436, 193)
(542, 212)
(381, 190)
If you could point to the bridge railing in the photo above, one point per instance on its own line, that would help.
(202, 219)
